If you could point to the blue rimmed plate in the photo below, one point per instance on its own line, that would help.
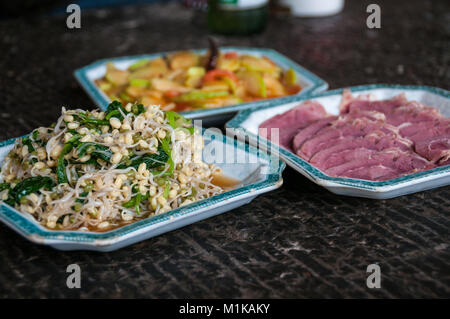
(88, 74)
(249, 120)
(256, 171)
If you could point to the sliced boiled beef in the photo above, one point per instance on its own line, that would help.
(404, 162)
(376, 172)
(434, 149)
(370, 139)
(377, 141)
(348, 98)
(345, 126)
(291, 121)
(310, 130)
(431, 140)
(371, 115)
(442, 129)
(410, 129)
(345, 156)
(412, 112)
(383, 106)
(444, 161)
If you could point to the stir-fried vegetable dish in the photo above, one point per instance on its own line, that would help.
(95, 170)
(187, 80)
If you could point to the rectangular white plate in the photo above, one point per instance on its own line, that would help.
(88, 74)
(258, 174)
(249, 121)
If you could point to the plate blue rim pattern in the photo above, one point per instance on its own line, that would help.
(318, 84)
(315, 173)
(30, 228)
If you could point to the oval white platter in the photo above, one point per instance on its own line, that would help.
(249, 120)
(88, 74)
(256, 171)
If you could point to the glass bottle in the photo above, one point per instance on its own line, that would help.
(234, 17)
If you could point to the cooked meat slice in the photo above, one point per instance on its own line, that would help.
(376, 172)
(442, 128)
(347, 99)
(434, 149)
(383, 106)
(310, 130)
(444, 161)
(345, 126)
(291, 121)
(344, 156)
(412, 112)
(371, 115)
(409, 129)
(404, 162)
(373, 141)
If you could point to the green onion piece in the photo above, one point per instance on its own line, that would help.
(140, 82)
(138, 64)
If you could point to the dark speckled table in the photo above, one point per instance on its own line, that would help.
(298, 241)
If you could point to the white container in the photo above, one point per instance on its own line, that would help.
(314, 8)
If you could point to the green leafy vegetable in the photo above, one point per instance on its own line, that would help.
(114, 113)
(61, 165)
(30, 185)
(135, 201)
(35, 135)
(61, 219)
(94, 121)
(151, 161)
(83, 119)
(82, 197)
(97, 150)
(4, 186)
(27, 141)
(165, 145)
(113, 110)
(138, 109)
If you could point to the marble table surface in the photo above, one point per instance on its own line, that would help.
(299, 241)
